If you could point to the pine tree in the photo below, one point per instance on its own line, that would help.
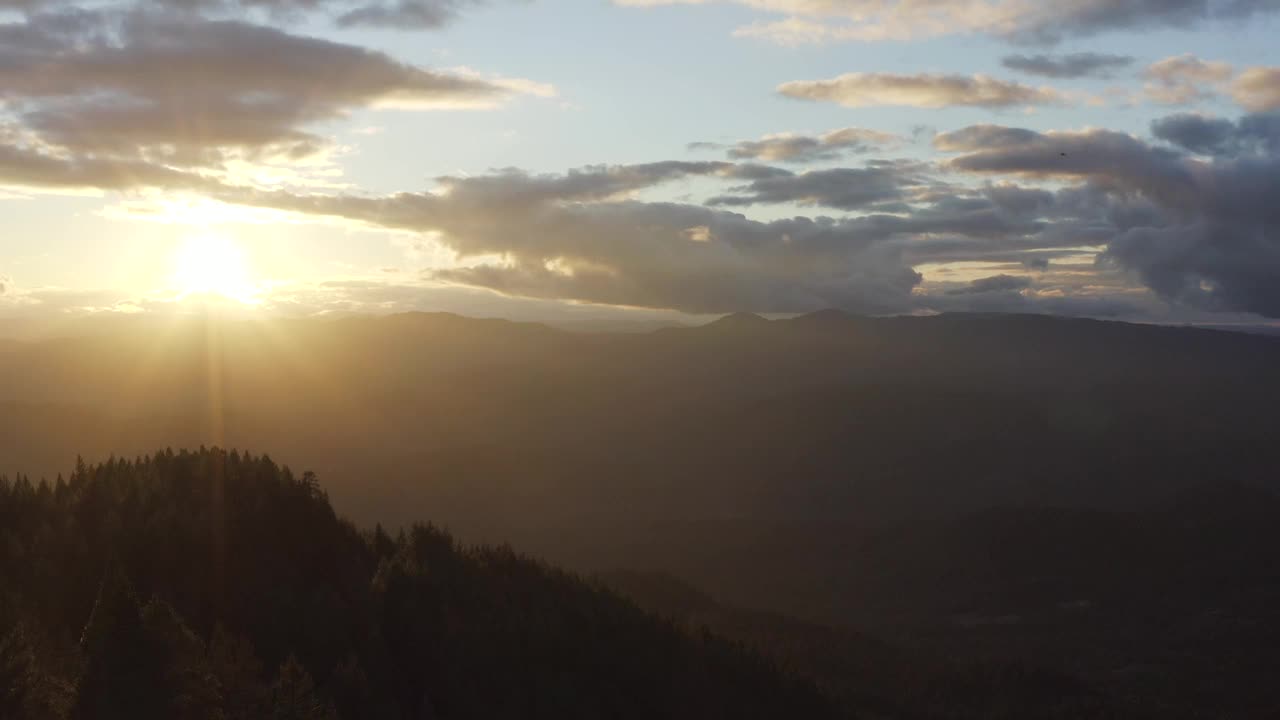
(17, 674)
(350, 687)
(190, 690)
(294, 697)
(121, 673)
(239, 674)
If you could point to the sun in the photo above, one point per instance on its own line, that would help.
(211, 264)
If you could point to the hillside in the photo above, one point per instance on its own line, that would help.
(1004, 489)
(218, 585)
(887, 680)
(1166, 612)
(604, 450)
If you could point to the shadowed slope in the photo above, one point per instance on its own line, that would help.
(201, 547)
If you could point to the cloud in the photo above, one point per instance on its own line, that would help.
(559, 237)
(1050, 22)
(993, 284)
(983, 137)
(1184, 79)
(1196, 133)
(583, 236)
(90, 90)
(1114, 303)
(923, 90)
(32, 168)
(1027, 21)
(388, 14)
(1074, 65)
(401, 14)
(1258, 89)
(1030, 202)
(841, 188)
(1103, 156)
(1202, 234)
(1251, 134)
(593, 183)
(1215, 263)
(793, 148)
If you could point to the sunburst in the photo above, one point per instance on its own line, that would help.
(212, 264)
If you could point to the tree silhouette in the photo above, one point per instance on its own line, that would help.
(294, 697)
(122, 671)
(238, 672)
(359, 625)
(17, 674)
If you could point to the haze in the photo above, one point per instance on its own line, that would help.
(408, 359)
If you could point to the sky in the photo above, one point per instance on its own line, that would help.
(641, 160)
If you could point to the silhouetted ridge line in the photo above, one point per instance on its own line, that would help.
(830, 317)
(234, 591)
(738, 321)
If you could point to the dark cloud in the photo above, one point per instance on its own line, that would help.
(582, 236)
(404, 14)
(985, 227)
(1105, 157)
(924, 90)
(805, 148)
(391, 14)
(1031, 202)
(840, 188)
(982, 137)
(1086, 292)
(128, 89)
(1251, 134)
(1074, 65)
(994, 284)
(1053, 21)
(1201, 234)
(560, 240)
(1024, 21)
(1196, 133)
(1112, 306)
(1208, 264)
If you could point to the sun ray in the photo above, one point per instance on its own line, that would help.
(210, 264)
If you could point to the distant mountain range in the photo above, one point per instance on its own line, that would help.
(934, 480)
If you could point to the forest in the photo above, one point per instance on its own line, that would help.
(211, 584)
(214, 584)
